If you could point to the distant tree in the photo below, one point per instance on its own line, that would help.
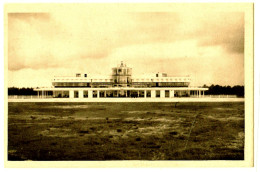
(226, 90)
(21, 91)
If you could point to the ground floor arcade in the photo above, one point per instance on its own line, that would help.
(119, 92)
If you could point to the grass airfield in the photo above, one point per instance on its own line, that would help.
(126, 131)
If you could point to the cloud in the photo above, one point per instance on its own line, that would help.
(94, 41)
(40, 40)
(224, 29)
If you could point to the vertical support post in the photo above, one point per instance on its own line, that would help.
(137, 93)
(171, 93)
(71, 94)
(152, 93)
(98, 94)
(105, 93)
(38, 94)
(81, 94)
(90, 94)
(144, 93)
(162, 93)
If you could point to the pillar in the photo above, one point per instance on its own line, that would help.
(162, 93)
(144, 93)
(105, 93)
(98, 94)
(199, 94)
(38, 94)
(138, 93)
(81, 94)
(152, 93)
(171, 93)
(71, 94)
(90, 94)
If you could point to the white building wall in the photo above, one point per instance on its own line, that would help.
(71, 94)
(90, 94)
(162, 93)
(171, 93)
(80, 93)
(152, 93)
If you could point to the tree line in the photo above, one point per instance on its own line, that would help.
(21, 91)
(237, 90)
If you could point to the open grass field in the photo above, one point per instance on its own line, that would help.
(126, 131)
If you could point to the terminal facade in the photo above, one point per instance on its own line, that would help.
(121, 84)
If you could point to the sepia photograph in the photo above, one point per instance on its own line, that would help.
(165, 82)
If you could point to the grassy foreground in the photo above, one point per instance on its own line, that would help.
(126, 131)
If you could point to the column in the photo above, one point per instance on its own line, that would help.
(171, 93)
(152, 93)
(126, 93)
(38, 94)
(105, 93)
(71, 94)
(90, 94)
(144, 93)
(162, 93)
(137, 93)
(81, 94)
(199, 93)
(98, 93)
(202, 93)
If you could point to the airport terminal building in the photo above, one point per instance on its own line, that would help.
(120, 84)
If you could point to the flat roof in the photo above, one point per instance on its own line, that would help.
(123, 88)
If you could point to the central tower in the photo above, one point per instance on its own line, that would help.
(122, 75)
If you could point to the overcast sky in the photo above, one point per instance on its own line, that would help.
(207, 46)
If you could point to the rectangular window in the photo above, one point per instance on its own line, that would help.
(101, 93)
(94, 94)
(167, 93)
(76, 94)
(58, 94)
(133, 93)
(85, 94)
(148, 93)
(157, 93)
(141, 93)
(109, 93)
